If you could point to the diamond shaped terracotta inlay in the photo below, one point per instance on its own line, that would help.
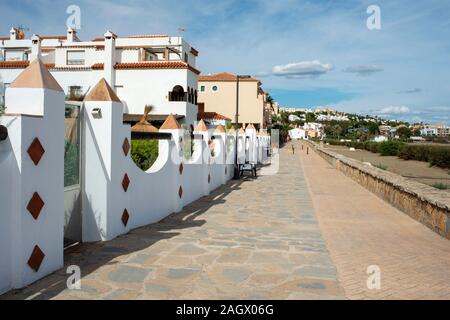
(180, 192)
(125, 217)
(209, 178)
(36, 151)
(226, 171)
(126, 147)
(36, 258)
(181, 168)
(125, 182)
(35, 205)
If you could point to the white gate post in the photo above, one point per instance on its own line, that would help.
(105, 212)
(33, 244)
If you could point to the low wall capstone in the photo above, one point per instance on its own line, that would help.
(423, 203)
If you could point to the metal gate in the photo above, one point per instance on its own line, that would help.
(72, 173)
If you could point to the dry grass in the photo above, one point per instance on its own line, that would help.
(410, 169)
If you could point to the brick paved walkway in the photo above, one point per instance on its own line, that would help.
(258, 239)
(361, 230)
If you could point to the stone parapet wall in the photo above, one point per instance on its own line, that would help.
(423, 203)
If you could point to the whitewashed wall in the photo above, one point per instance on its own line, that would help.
(20, 232)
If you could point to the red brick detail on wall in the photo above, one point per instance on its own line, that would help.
(35, 205)
(180, 192)
(209, 178)
(125, 217)
(181, 168)
(36, 151)
(125, 182)
(36, 258)
(126, 147)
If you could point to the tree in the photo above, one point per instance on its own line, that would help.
(417, 132)
(404, 133)
(373, 128)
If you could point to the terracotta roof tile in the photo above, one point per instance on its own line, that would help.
(212, 115)
(220, 129)
(14, 64)
(201, 126)
(36, 75)
(224, 76)
(155, 65)
(102, 92)
(170, 124)
(194, 51)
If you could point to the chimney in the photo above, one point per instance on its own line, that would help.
(72, 35)
(110, 58)
(13, 34)
(35, 47)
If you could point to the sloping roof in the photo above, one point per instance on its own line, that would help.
(212, 116)
(36, 75)
(14, 64)
(224, 76)
(155, 65)
(220, 129)
(201, 126)
(143, 125)
(170, 123)
(102, 92)
(194, 51)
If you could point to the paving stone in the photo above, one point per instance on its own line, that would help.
(128, 274)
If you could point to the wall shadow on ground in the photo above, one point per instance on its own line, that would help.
(91, 256)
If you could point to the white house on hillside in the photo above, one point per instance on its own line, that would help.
(155, 70)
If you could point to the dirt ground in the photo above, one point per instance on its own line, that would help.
(410, 169)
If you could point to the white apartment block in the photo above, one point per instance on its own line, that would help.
(439, 130)
(156, 70)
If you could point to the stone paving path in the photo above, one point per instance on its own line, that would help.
(362, 230)
(257, 239)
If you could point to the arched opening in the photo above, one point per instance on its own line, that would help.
(195, 96)
(177, 94)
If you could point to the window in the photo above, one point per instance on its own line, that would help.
(177, 94)
(14, 55)
(75, 58)
(202, 88)
(75, 93)
(215, 88)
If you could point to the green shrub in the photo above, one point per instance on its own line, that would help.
(435, 155)
(71, 164)
(440, 186)
(144, 153)
(389, 148)
(371, 146)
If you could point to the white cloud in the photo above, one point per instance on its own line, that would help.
(304, 69)
(394, 110)
(415, 90)
(364, 70)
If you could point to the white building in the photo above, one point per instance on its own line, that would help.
(155, 70)
(298, 133)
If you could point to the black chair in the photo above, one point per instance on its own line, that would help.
(248, 166)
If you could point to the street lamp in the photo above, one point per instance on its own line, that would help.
(236, 123)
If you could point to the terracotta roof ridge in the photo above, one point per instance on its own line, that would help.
(171, 123)
(36, 75)
(102, 92)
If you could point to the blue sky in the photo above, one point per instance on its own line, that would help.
(307, 53)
